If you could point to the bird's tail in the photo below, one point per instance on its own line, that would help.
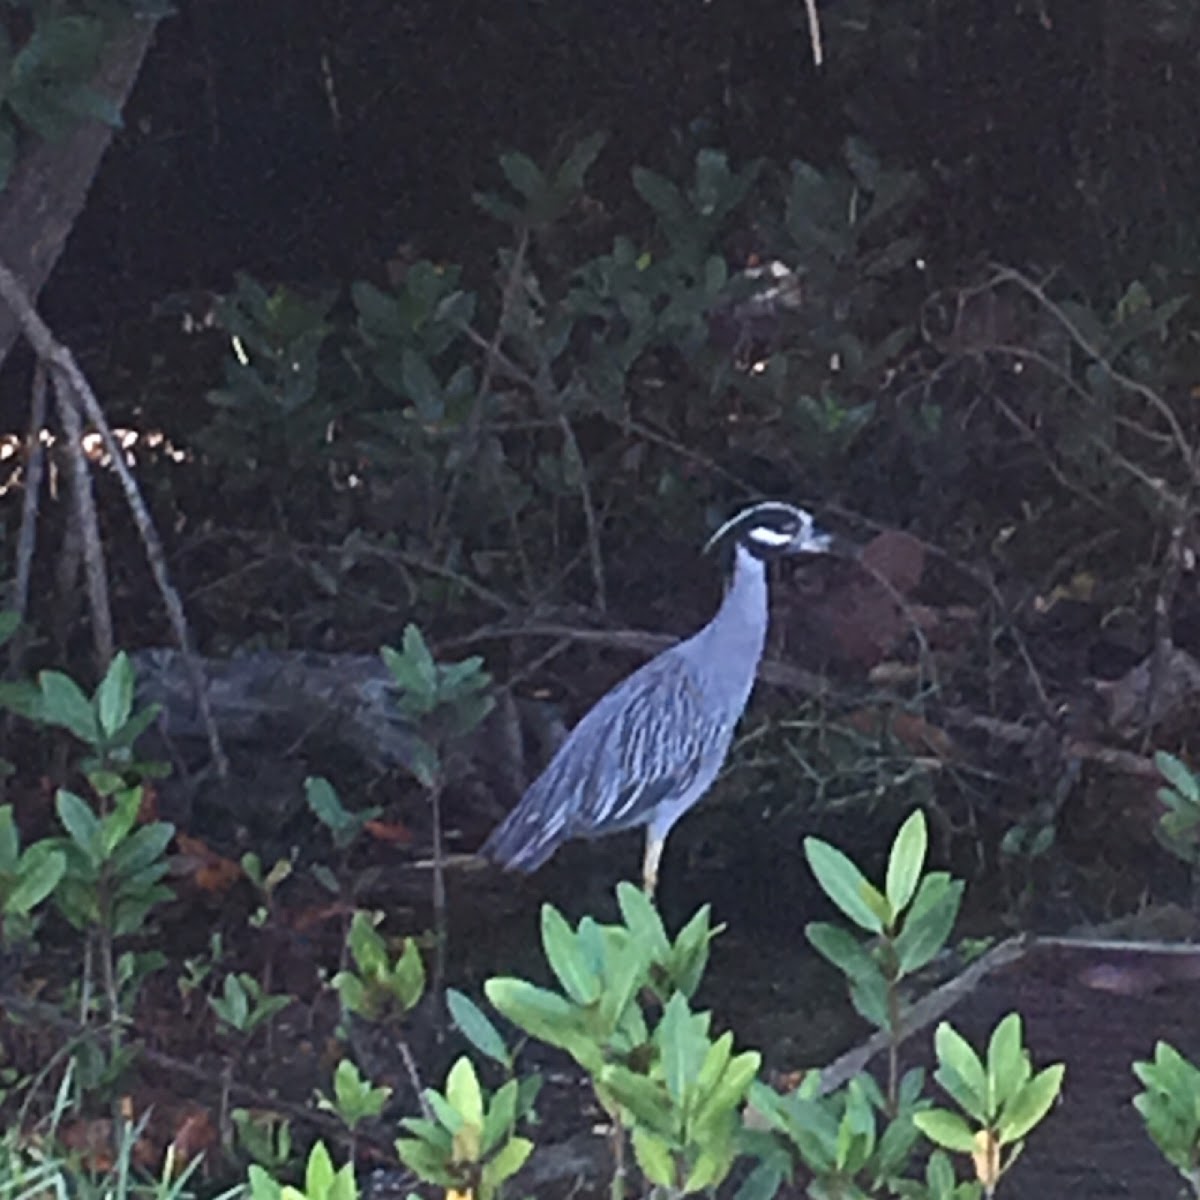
(524, 840)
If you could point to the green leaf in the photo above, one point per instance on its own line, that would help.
(80, 822)
(65, 705)
(840, 947)
(929, 921)
(424, 763)
(409, 976)
(114, 696)
(427, 1164)
(661, 195)
(961, 1073)
(869, 993)
(689, 955)
(1007, 1061)
(10, 842)
(116, 826)
(501, 1116)
(906, 861)
(144, 848)
(543, 1015)
(654, 1158)
(507, 1162)
(367, 946)
(643, 921)
(570, 176)
(844, 884)
(524, 175)
(945, 1129)
(464, 1093)
(565, 959)
(318, 1176)
(681, 1049)
(474, 1024)
(1031, 1104)
(727, 1096)
(1178, 776)
(42, 867)
(421, 386)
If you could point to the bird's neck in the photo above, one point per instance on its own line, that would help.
(741, 621)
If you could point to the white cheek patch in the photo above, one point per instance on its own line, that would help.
(764, 535)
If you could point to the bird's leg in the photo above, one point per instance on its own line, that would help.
(654, 849)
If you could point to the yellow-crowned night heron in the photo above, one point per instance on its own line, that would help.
(653, 745)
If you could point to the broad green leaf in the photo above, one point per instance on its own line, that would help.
(1178, 776)
(367, 946)
(646, 1099)
(116, 826)
(570, 176)
(544, 1015)
(42, 867)
(906, 861)
(716, 1059)
(654, 1158)
(945, 1129)
(143, 848)
(409, 976)
(661, 195)
(683, 1044)
(464, 1093)
(869, 994)
(507, 1162)
(845, 884)
(1031, 1104)
(728, 1095)
(424, 1161)
(523, 174)
(961, 1073)
(114, 696)
(474, 1024)
(318, 1175)
(1007, 1061)
(640, 915)
(628, 973)
(566, 960)
(710, 1168)
(501, 1116)
(65, 705)
(929, 921)
(840, 947)
(80, 822)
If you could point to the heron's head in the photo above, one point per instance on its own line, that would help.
(773, 529)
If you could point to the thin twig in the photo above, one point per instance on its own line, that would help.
(72, 387)
(87, 522)
(35, 466)
(1164, 602)
(470, 438)
(589, 514)
(1164, 410)
(926, 1010)
(814, 32)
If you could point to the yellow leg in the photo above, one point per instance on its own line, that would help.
(654, 849)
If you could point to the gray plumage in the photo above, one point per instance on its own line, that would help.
(652, 747)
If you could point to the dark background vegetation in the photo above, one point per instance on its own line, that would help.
(1001, 369)
(314, 145)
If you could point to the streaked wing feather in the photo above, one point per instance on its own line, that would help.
(651, 743)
